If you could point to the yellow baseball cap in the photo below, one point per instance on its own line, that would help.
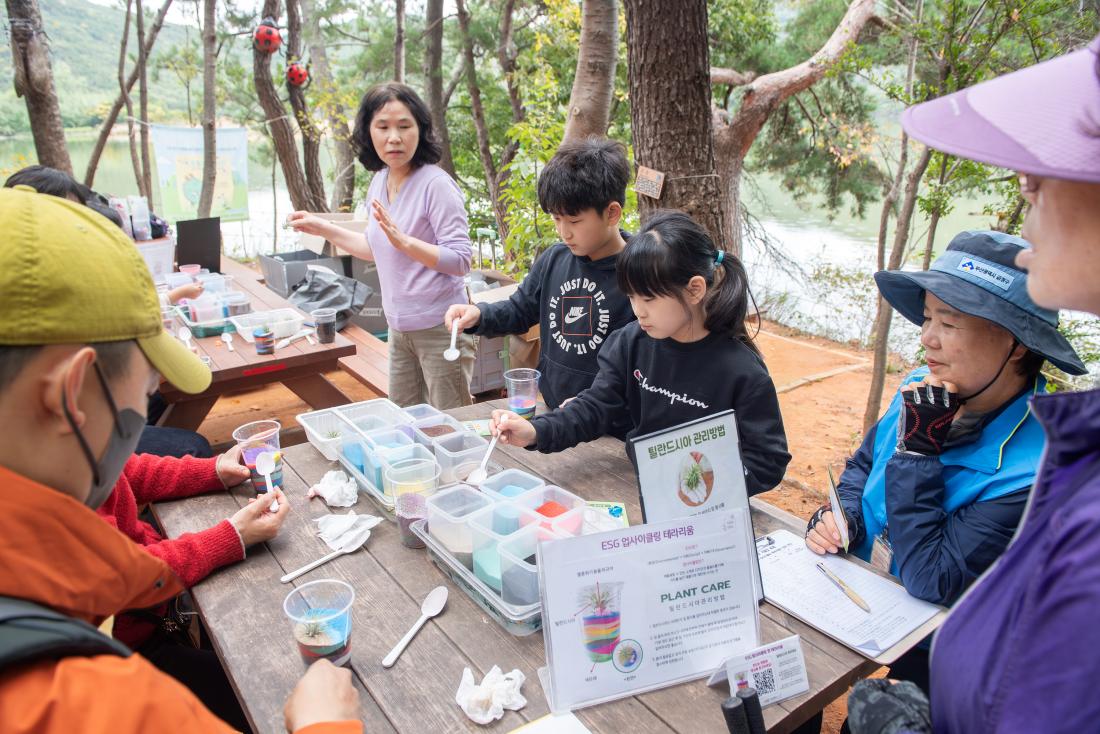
(68, 275)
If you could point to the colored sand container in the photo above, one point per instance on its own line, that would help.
(551, 509)
(329, 639)
(511, 490)
(438, 430)
(505, 520)
(601, 634)
(487, 565)
(523, 407)
(410, 507)
(353, 452)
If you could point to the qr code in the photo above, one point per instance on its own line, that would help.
(764, 681)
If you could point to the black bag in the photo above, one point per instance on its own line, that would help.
(326, 289)
(31, 632)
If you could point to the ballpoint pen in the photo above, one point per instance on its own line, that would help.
(839, 583)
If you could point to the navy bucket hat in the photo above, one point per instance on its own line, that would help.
(977, 275)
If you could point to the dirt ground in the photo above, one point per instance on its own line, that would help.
(822, 388)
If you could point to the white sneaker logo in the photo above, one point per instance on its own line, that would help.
(577, 312)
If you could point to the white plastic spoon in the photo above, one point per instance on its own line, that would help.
(349, 544)
(433, 605)
(228, 339)
(284, 343)
(265, 464)
(184, 335)
(452, 354)
(479, 475)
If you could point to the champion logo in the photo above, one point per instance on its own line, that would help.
(575, 313)
(673, 397)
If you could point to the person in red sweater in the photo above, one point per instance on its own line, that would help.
(192, 556)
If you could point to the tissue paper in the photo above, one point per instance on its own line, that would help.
(336, 488)
(498, 691)
(333, 528)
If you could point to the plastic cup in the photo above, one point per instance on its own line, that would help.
(168, 318)
(191, 270)
(254, 439)
(419, 476)
(409, 508)
(523, 391)
(320, 619)
(324, 319)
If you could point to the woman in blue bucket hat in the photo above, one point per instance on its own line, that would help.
(1018, 652)
(936, 490)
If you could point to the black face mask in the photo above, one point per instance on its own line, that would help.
(124, 439)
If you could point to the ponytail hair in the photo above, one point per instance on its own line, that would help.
(667, 252)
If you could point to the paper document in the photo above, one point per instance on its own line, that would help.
(839, 517)
(793, 582)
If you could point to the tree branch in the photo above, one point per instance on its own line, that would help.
(731, 77)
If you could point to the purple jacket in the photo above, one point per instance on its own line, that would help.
(1021, 650)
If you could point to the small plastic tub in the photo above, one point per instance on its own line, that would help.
(459, 454)
(191, 270)
(421, 411)
(215, 282)
(448, 520)
(364, 423)
(490, 526)
(411, 476)
(178, 280)
(561, 510)
(385, 458)
(383, 409)
(289, 321)
(427, 430)
(203, 322)
(519, 573)
(325, 430)
(236, 303)
(510, 484)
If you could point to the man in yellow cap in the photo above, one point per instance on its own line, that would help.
(81, 345)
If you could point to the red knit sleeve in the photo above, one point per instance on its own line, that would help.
(194, 556)
(153, 478)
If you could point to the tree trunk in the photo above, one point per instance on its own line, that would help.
(343, 184)
(668, 63)
(135, 158)
(399, 42)
(594, 85)
(885, 313)
(507, 54)
(116, 107)
(209, 110)
(34, 83)
(433, 70)
(734, 136)
(311, 136)
(282, 133)
(143, 106)
(482, 128)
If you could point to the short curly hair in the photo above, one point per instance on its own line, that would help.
(428, 149)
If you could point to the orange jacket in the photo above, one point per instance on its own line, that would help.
(56, 552)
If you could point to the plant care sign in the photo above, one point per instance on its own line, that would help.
(633, 610)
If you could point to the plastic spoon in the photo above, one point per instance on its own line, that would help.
(265, 464)
(479, 475)
(228, 339)
(284, 343)
(184, 335)
(452, 354)
(349, 544)
(433, 605)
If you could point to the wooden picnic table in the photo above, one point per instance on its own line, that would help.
(241, 607)
(299, 366)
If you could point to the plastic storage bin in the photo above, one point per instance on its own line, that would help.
(559, 509)
(283, 322)
(459, 454)
(448, 520)
(490, 526)
(208, 327)
(326, 430)
(510, 484)
(423, 410)
(159, 255)
(519, 574)
(287, 269)
(427, 430)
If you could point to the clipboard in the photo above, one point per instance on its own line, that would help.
(838, 511)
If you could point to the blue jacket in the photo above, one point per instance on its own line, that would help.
(949, 516)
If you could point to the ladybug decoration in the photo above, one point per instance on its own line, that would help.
(266, 37)
(297, 74)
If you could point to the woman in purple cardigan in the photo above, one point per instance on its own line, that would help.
(419, 238)
(1018, 652)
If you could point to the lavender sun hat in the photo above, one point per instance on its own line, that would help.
(1043, 120)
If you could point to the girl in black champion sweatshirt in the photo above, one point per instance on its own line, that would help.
(688, 356)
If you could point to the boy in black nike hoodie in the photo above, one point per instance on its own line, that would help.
(571, 291)
(687, 357)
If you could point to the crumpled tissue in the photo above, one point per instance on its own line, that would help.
(498, 691)
(333, 529)
(336, 488)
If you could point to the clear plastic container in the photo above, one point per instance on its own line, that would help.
(559, 509)
(427, 430)
(326, 430)
(204, 328)
(519, 574)
(236, 303)
(510, 484)
(288, 320)
(459, 454)
(385, 410)
(448, 520)
(490, 526)
(355, 457)
(364, 422)
(418, 475)
(423, 410)
(215, 282)
(516, 621)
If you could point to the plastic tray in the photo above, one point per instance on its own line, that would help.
(202, 329)
(381, 408)
(319, 425)
(517, 621)
(249, 322)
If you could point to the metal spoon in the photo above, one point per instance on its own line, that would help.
(452, 354)
(265, 464)
(350, 543)
(479, 475)
(228, 339)
(433, 605)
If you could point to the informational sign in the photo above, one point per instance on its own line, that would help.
(638, 609)
(775, 670)
(693, 469)
(649, 182)
(178, 155)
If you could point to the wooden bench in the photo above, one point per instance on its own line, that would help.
(371, 362)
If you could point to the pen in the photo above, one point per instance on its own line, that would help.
(856, 598)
